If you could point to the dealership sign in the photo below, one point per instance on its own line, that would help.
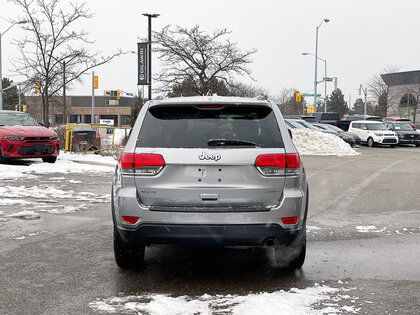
(143, 64)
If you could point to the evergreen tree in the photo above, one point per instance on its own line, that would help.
(10, 96)
(359, 107)
(135, 109)
(336, 103)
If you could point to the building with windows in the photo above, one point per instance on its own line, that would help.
(404, 94)
(79, 109)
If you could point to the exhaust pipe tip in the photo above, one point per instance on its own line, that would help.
(269, 242)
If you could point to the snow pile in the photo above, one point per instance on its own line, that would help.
(295, 301)
(312, 142)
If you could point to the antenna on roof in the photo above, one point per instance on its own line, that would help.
(209, 93)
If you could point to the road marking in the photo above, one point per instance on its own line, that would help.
(344, 200)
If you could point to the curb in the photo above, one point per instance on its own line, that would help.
(95, 163)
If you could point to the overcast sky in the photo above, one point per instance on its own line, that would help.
(362, 38)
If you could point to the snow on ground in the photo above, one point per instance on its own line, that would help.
(312, 300)
(312, 142)
(25, 214)
(369, 228)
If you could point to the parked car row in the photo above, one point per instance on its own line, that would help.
(348, 137)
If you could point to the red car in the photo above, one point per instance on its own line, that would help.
(401, 119)
(21, 136)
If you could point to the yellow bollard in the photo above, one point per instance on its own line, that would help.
(66, 147)
(71, 137)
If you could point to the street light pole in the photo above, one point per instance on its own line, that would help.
(325, 76)
(1, 74)
(150, 16)
(316, 62)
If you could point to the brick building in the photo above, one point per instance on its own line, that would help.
(79, 109)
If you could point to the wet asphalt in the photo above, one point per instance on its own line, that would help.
(58, 264)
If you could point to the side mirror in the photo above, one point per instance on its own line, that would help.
(41, 123)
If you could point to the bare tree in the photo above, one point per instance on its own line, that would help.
(51, 40)
(249, 90)
(380, 91)
(286, 101)
(192, 53)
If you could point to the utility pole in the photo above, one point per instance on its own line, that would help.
(150, 16)
(316, 61)
(20, 92)
(365, 92)
(92, 117)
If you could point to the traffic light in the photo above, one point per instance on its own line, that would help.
(37, 85)
(298, 97)
(118, 94)
(16, 107)
(359, 91)
(24, 108)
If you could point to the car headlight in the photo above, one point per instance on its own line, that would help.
(401, 136)
(14, 138)
(378, 134)
(53, 138)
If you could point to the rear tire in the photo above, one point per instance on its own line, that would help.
(127, 256)
(292, 256)
(370, 142)
(49, 159)
(418, 145)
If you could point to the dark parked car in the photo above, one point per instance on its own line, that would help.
(406, 134)
(21, 136)
(326, 117)
(307, 118)
(344, 122)
(349, 137)
(302, 124)
(401, 120)
(84, 138)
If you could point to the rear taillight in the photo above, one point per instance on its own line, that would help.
(130, 220)
(336, 124)
(289, 220)
(141, 164)
(97, 134)
(278, 164)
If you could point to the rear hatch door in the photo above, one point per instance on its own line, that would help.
(209, 157)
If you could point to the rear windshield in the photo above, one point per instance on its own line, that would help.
(194, 127)
(330, 116)
(79, 128)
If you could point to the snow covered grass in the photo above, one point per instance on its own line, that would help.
(65, 165)
(294, 301)
(312, 142)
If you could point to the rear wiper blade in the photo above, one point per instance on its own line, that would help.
(227, 142)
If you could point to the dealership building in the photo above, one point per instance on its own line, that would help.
(79, 108)
(403, 94)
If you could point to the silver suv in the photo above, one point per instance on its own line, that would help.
(210, 171)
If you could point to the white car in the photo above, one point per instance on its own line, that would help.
(373, 132)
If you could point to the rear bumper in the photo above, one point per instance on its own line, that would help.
(208, 235)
